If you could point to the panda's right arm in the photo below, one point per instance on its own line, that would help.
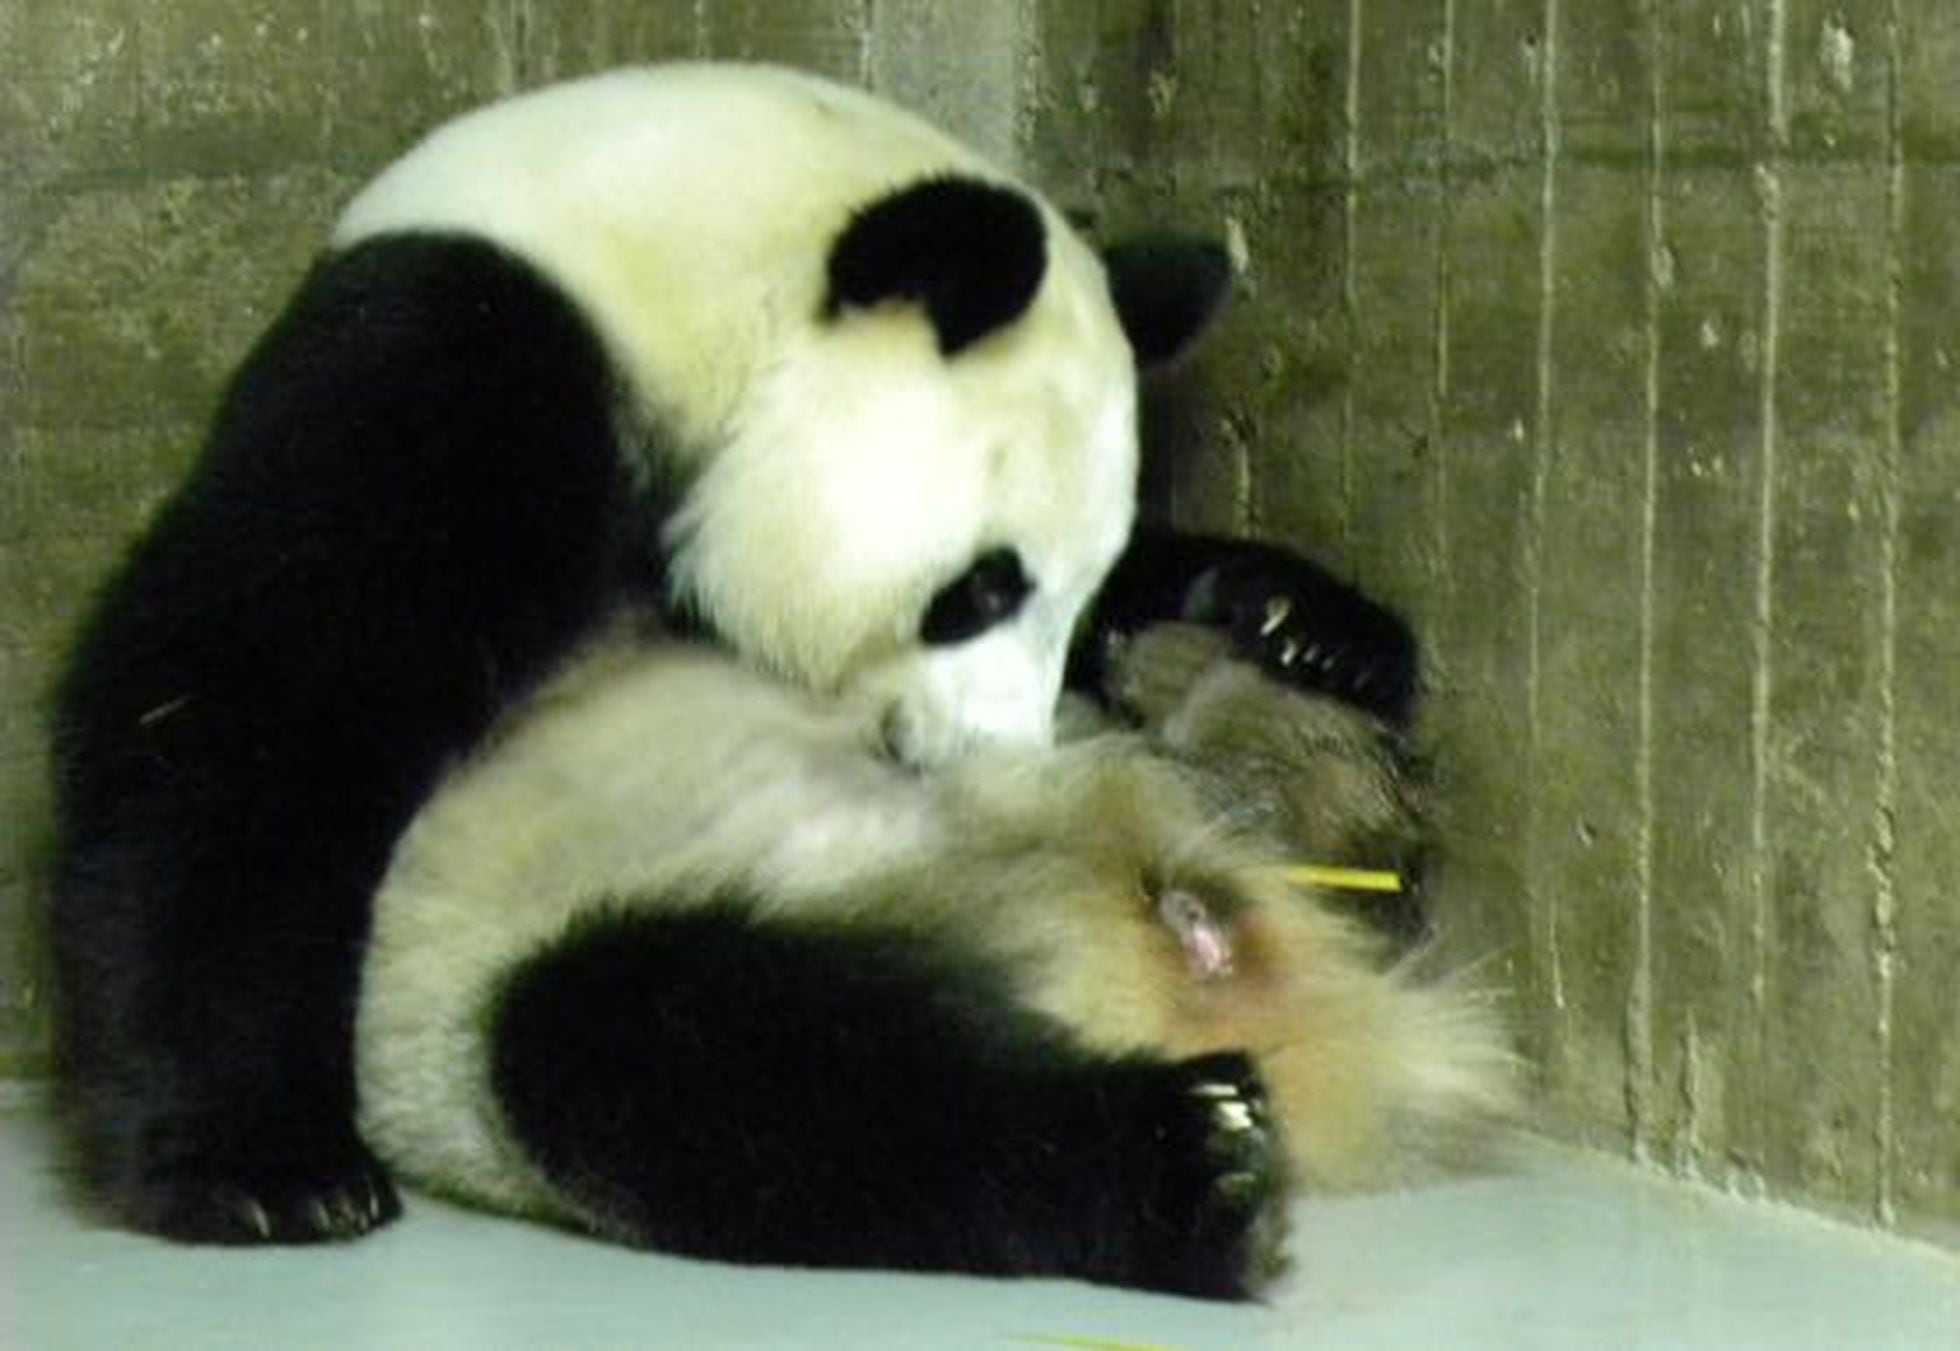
(1290, 616)
(1295, 619)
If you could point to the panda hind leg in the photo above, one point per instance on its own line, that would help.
(707, 1084)
(1227, 1176)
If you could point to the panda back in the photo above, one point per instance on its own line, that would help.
(686, 209)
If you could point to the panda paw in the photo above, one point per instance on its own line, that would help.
(1310, 630)
(1360, 659)
(266, 1203)
(1219, 1216)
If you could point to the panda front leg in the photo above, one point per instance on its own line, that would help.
(708, 1084)
(411, 507)
(208, 1085)
(1296, 620)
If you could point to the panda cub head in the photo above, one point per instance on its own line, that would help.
(880, 394)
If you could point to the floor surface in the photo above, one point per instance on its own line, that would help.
(1562, 1251)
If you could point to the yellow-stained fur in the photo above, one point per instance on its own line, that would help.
(1375, 1071)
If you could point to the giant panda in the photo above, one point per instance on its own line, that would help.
(681, 958)
(763, 356)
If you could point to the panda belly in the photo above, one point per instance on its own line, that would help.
(683, 962)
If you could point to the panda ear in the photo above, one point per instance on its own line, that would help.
(971, 253)
(1166, 291)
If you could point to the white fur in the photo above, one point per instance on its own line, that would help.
(841, 472)
(680, 205)
(837, 474)
(669, 775)
(680, 774)
(663, 776)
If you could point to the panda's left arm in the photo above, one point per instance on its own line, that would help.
(1295, 619)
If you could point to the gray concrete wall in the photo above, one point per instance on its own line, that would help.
(1613, 340)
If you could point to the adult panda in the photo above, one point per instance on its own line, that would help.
(764, 354)
(681, 958)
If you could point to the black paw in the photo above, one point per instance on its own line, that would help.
(1337, 645)
(279, 1203)
(1219, 1217)
(1305, 626)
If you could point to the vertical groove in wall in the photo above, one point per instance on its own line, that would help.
(522, 61)
(507, 24)
(1770, 186)
(864, 19)
(1440, 392)
(1890, 486)
(1350, 226)
(1028, 83)
(1551, 899)
(703, 43)
(1546, 901)
(1640, 991)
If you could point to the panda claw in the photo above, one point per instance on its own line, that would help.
(1237, 1191)
(344, 1199)
(353, 1214)
(1277, 610)
(251, 1212)
(1236, 1116)
(1227, 1206)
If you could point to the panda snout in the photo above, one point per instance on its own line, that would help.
(916, 739)
(895, 739)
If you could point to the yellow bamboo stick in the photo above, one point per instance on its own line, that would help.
(1341, 879)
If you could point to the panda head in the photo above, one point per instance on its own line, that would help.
(924, 489)
(886, 397)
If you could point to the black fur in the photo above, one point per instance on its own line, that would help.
(972, 253)
(1299, 622)
(989, 592)
(716, 1086)
(1167, 290)
(410, 505)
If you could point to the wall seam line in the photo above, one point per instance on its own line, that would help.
(1439, 398)
(1639, 1031)
(1762, 652)
(1543, 900)
(1350, 293)
(1884, 824)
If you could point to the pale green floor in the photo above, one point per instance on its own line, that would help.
(1564, 1251)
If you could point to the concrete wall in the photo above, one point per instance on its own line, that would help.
(1613, 340)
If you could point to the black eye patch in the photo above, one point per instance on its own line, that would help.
(979, 598)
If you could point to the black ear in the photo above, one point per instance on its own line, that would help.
(1166, 291)
(972, 253)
